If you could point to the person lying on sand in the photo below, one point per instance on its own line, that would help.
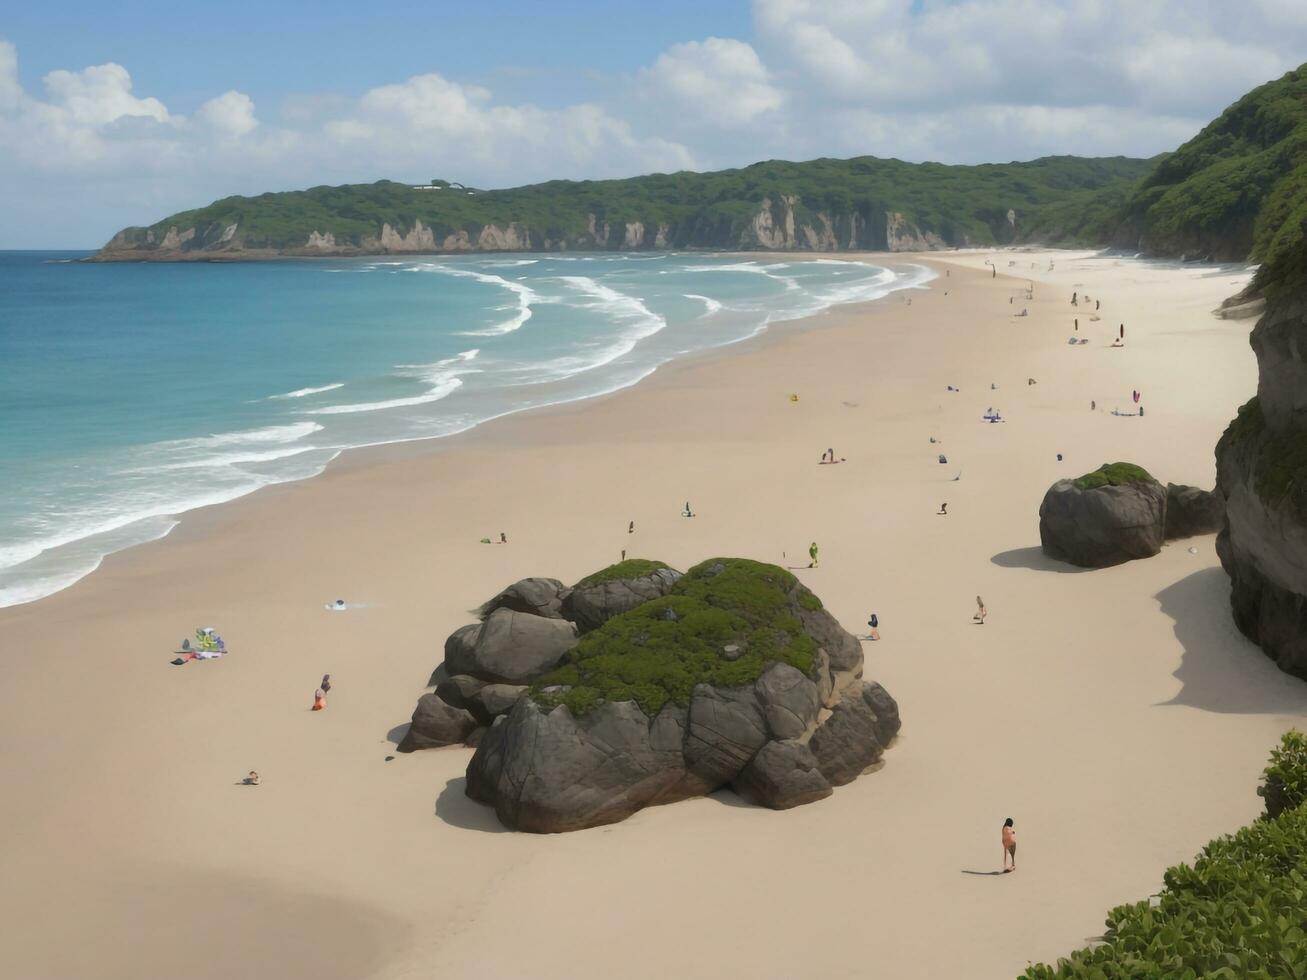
(1009, 845)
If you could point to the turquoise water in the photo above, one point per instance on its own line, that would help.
(131, 393)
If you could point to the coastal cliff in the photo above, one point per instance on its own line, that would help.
(1262, 465)
(819, 206)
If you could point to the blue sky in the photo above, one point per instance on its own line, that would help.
(122, 113)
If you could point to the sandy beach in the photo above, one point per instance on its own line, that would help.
(1116, 715)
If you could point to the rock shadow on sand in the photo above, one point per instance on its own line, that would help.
(1035, 559)
(1220, 669)
(454, 807)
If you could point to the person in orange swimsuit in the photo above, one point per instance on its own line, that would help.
(319, 699)
(1009, 845)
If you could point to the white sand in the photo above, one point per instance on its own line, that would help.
(1116, 714)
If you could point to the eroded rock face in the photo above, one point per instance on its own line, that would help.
(1104, 526)
(1261, 468)
(1191, 511)
(782, 775)
(590, 606)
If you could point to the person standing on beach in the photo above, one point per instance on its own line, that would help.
(812, 553)
(1009, 845)
(630, 528)
(319, 699)
(1073, 300)
(980, 615)
(943, 509)
(326, 683)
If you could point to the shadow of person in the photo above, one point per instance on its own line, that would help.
(1033, 558)
(1220, 669)
(987, 874)
(455, 808)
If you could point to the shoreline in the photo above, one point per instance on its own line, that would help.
(121, 768)
(407, 448)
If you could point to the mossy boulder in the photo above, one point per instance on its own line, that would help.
(722, 681)
(1115, 514)
(616, 589)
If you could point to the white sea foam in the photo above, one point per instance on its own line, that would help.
(443, 390)
(712, 305)
(522, 311)
(753, 268)
(271, 433)
(305, 392)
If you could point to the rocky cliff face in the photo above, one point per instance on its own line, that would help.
(781, 223)
(1262, 471)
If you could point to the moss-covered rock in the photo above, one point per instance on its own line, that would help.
(1113, 475)
(722, 624)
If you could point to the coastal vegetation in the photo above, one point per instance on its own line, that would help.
(626, 569)
(721, 624)
(1230, 192)
(1235, 912)
(1113, 475)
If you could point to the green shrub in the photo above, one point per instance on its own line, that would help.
(1284, 782)
(660, 650)
(1236, 912)
(1113, 475)
(630, 568)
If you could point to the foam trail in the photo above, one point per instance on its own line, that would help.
(751, 267)
(525, 297)
(305, 392)
(712, 305)
(442, 390)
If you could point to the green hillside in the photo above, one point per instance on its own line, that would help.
(1227, 193)
(835, 203)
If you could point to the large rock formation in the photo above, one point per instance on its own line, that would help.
(1110, 516)
(527, 629)
(736, 677)
(1262, 472)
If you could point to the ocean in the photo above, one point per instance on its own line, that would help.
(132, 393)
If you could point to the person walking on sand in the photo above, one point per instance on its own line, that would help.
(319, 699)
(630, 528)
(980, 615)
(1009, 845)
(812, 553)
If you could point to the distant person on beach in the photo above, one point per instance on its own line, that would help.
(687, 512)
(1077, 324)
(623, 554)
(812, 553)
(319, 699)
(981, 612)
(503, 538)
(873, 627)
(630, 528)
(1073, 300)
(1122, 333)
(1009, 845)
(1093, 405)
(943, 509)
(252, 779)
(1096, 305)
(326, 683)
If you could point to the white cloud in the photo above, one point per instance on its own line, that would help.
(717, 80)
(231, 113)
(100, 94)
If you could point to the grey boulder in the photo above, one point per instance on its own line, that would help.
(510, 647)
(726, 729)
(1103, 526)
(789, 701)
(534, 596)
(493, 700)
(590, 606)
(546, 771)
(846, 743)
(783, 774)
(1191, 511)
(435, 724)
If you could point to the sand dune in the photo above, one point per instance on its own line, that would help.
(1116, 714)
